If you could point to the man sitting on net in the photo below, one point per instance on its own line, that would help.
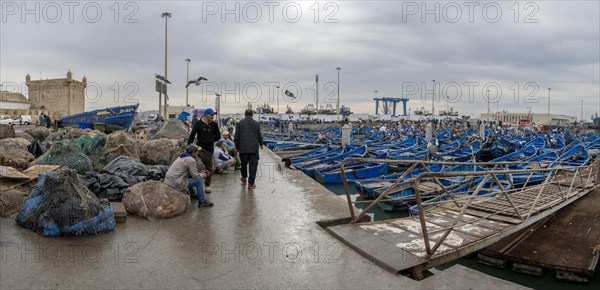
(183, 174)
(221, 158)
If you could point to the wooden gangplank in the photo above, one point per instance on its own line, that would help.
(399, 244)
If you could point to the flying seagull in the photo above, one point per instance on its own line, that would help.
(162, 78)
(196, 81)
(289, 94)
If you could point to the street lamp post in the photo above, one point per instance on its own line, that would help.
(549, 105)
(338, 94)
(433, 101)
(166, 16)
(187, 79)
(277, 94)
(581, 112)
(488, 101)
(218, 108)
(317, 95)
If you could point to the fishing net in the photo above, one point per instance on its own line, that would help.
(7, 131)
(84, 154)
(61, 205)
(55, 136)
(160, 152)
(173, 129)
(40, 133)
(74, 133)
(11, 201)
(155, 200)
(24, 136)
(65, 153)
(16, 158)
(121, 143)
(93, 147)
(11, 143)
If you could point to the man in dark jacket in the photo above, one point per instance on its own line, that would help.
(248, 139)
(207, 133)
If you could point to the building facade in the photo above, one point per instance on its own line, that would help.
(65, 96)
(537, 119)
(13, 101)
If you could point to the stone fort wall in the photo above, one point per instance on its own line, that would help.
(62, 96)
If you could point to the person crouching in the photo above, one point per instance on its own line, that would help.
(222, 159)
(183, 174)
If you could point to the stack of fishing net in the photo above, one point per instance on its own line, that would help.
(66, 153)
(160, 152)
(7, 131)
(14, 153)
(155, 200)
(61, 205)
(40, 133)
(24, 136)
(121, 143)
(11, 201)
(173, 129)
(93, 147)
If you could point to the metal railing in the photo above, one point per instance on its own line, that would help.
(559, 184)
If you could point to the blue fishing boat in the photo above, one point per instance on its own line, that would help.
(464, 153)
(403, 196)
(300, 161)
(315, 151)
(533, 178)
(366, 188)
(465, 186)
(519, 155)
(121, 117)
(354, 171)
(312, 168)
(575, 156)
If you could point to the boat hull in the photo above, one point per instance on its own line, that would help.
(116, 116)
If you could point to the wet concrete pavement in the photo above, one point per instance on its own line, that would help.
(261, 238)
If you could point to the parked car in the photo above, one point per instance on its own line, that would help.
(23, 120)
(6, 120)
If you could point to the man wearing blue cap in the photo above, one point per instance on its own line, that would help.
(206, 131)
(183, 174)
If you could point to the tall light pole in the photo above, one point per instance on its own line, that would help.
(433, 101)
(187, 79)
(549, 105)
(488, 101)
(166, 16)
(581, 111)
(338, 93)
(218, 108)
(376, 94)
(317, 93)
(277, 94)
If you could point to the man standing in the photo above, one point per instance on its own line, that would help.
(247, 140)
(207, 133)
(183, 174)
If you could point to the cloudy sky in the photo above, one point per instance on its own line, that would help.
(245, 48)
